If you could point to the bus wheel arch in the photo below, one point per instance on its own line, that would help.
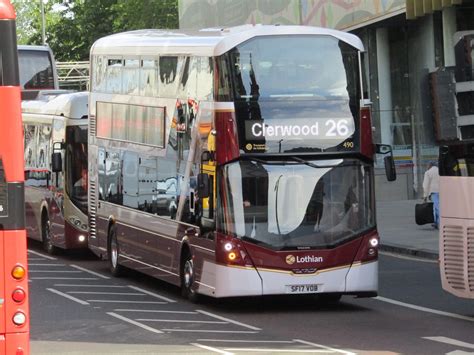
(187, 274)
(48, 245)
(113, 251)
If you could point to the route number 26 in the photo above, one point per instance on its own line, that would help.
(337, 128)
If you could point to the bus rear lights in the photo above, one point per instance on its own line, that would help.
(20, 351)
(19, 318)
(18, 295)
(18, 272)
(374, 242)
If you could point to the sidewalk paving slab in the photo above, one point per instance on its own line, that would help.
(400, 234)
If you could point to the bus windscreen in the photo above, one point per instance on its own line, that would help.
(331, 201)
(36, 70)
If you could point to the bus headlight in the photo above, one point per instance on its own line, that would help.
(81, 238)
(228, 246)
(76, 222)
(374, 242)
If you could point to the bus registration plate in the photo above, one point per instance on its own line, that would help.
(301, 288)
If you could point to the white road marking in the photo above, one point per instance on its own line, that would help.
(407, 257)
(131, 321)
(55, 271)
(67, 296)
(152, 311)
(65, 278)
(227, 320)
(106, 293)
(248, 341)
(42, 255)
(90, 272)
(72, 285)
(425, 309)
(211, 331)
(45, 264)
(277, 350)
(181, 321)
(324, 347)
(134, 302)
(451, 342)
(35, 259)
(211, 349)
(152, 294)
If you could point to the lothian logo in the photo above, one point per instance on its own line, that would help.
(291, 259)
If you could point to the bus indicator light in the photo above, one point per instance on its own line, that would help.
(18, 272)
(232, 256)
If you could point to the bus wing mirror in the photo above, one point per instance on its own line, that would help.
(57, 162)
(389, 163)
(383, 149)
(203, 185)
(390, 171)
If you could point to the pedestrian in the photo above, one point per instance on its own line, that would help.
(431, 189)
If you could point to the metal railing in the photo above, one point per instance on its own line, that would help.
(73, 75)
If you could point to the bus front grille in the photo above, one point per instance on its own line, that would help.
(453, 256)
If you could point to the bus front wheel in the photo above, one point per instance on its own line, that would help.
(114, 252)
(187, 278)
(47, 242)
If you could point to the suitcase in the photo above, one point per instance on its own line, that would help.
(424, 213)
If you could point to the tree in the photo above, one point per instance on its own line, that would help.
(139, 14)
(73, 26)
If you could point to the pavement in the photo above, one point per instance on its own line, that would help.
(400, 234)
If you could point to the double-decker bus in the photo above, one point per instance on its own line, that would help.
(456, 168)
(14, 311)
(37, 70)
(234, 162)
(55, 155)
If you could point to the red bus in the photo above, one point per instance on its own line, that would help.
(236, 161)
(14, 312)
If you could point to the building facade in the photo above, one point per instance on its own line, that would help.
(405, 40)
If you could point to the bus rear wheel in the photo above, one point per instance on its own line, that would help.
(113, 253)
(48, 245)
(187, 278)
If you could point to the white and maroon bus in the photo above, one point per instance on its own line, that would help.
(234, 162)
(55, 134)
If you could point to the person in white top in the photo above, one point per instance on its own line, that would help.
(431, 189)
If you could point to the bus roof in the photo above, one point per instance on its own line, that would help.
(73, 105)
(34, 48)
(207, 42)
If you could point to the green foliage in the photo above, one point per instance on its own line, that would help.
(72, 26)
